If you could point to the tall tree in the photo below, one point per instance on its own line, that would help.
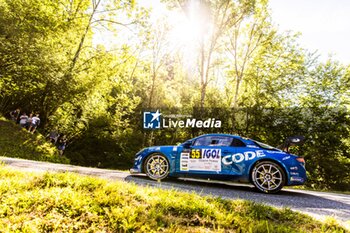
(214, 18)
(245, 37)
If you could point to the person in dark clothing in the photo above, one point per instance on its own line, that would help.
(53, 136)
(61, 144)
(15, 114)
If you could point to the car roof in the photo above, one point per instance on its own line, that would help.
(221, 134)
(247, 141)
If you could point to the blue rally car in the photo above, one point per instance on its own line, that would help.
(225, 157)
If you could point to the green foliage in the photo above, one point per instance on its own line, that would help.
(36, 44)
(18, 143)
(328, 123)
(59, 202)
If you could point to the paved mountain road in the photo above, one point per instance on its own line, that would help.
(316, 204)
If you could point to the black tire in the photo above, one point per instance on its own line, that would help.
(268, 177)
(157, 166)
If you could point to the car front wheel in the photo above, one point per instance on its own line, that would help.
(268, 177)
(157, 167)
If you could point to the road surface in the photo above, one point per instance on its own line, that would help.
(316, 204)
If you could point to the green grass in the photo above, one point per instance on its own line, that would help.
(18, 143)
(66, 202)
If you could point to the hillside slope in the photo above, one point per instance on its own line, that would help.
(18, 143)
(67, 202)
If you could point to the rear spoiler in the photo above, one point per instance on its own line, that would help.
(291, 141)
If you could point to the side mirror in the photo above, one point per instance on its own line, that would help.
(291, 141)
(296, 140)
(187, 144)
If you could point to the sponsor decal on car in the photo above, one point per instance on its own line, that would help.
(252, 146)
(154, 148)
(201, 160)
(276, 152)
(138, 159)
(294, 173)
(298, 179)
(184, 161)
(240, 157)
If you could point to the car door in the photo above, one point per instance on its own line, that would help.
(243, 156)
(204, 156)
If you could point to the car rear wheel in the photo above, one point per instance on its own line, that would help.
(157, 167)
(268, 177)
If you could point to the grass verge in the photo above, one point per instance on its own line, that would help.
(18, 143)
(66, 202)
(303, 187)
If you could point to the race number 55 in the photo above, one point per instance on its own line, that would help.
(195, 154)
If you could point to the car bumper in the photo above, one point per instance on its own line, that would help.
(134, 171)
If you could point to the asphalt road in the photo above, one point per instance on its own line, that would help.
(316, 204)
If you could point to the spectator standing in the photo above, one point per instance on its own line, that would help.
(35, 123)
(29, 121)
(61, 145)
(15, 114)
(23, 120)
(53, 136)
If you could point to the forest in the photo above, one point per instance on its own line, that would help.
(91, 67)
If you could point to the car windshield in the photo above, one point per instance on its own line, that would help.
(189, 142)
(264, 146)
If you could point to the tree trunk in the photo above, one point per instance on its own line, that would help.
(82, 40)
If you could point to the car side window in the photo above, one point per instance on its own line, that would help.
(202, 141)
(213, 141)
(237, 143)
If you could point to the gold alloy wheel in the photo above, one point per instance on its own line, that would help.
(157, 167)
(268, 177)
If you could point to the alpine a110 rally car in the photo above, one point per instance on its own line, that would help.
(225, 157)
